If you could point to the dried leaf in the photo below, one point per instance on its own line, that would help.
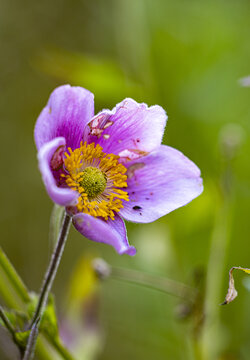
(232, 292)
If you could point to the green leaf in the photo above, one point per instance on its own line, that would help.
(22, 338)
(49, 320)
(17, 318)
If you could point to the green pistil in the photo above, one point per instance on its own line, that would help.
(93, 181)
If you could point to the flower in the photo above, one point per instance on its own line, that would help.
(111, 166)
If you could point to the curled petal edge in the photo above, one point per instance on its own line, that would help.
(60, 196)
(111, 232)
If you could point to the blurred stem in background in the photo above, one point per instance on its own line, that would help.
(155, 282)
(163, 284)
(211, 346)
(134, 51)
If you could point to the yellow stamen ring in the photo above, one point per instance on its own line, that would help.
(98, 178)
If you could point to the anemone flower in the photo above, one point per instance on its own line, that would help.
(111, 166)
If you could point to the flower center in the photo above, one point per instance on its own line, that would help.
(98, 178)
(94, 181)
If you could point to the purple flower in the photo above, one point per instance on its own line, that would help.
(110, 166)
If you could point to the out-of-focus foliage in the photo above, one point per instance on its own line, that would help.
(187, 56)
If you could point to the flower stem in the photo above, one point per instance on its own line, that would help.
(47, 284)
(30, 348)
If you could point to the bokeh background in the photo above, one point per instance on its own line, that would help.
(189, 57)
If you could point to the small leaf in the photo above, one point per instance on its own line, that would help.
(49, 319)
(232, 292)
(22, 338)
(17, 319)
(31, 307)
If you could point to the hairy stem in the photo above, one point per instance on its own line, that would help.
(30, 348)
(47, 284)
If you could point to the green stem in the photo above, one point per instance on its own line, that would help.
(219, 245)
(43, 351)
(7, 295)
(13, 277)
(7, 323)
(65, 354)
(155, 282)
(47, 284)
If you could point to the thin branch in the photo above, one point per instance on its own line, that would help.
(52, 269)
(31, 344)
(46, 287)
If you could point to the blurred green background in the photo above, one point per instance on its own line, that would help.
(189, 57)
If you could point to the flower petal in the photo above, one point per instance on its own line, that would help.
(68, 111)
(61, 196)
(129, 130)
(160, 183)
(111, 232)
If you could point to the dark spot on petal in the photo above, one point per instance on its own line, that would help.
(151, 193)
(147, 198)
(140, 213)
(137, 207)
(138, 140)
(132, 192)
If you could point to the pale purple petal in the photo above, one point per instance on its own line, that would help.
(160, 183)
(68, 111)
(130, 130)
(61, 196)
(111, 232)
